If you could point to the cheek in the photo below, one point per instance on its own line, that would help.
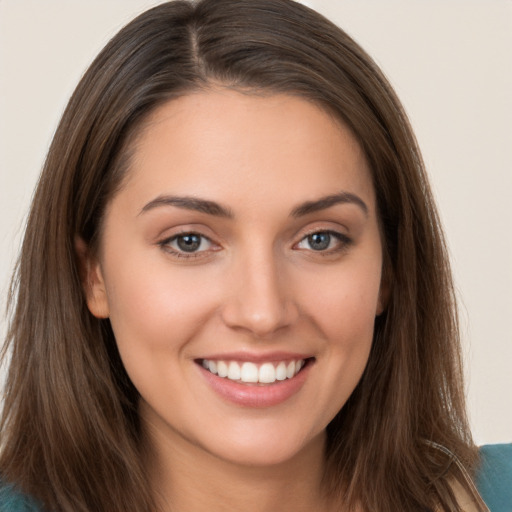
(154, 315)
(347, 322)
(343, 310)
(344, 303)
(155, 309)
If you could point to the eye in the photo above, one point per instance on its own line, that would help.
(187, 244)
(326, 241)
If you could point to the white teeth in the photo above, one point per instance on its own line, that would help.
(212, 366)
(234, 371)
(281, 371)
(222, 369)
(249, 373)
(266, 373)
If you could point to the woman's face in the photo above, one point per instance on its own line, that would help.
(240, 267)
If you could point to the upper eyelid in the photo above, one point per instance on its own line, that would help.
(336, 234)
(180, 231)
(184, 233)
(326, 224)
(332, 231)
(321, 230)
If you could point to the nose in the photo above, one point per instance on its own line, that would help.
(260, 297)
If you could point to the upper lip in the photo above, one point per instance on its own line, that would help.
(256, 357)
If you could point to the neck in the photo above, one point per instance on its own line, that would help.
(188, 479)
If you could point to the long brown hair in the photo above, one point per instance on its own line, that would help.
(70, 433)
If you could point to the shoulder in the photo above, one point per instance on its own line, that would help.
(12, 501)
(494, 476)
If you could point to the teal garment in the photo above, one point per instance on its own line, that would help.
(494, 478)
(12, 501)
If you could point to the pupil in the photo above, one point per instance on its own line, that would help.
(189, 243)
(319, 241)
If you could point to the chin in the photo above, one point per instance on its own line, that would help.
(262, 449)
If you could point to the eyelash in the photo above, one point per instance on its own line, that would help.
(165, 245)
(343, 242)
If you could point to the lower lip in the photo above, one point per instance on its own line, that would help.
(256, 395)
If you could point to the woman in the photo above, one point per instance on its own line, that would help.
(233, 287)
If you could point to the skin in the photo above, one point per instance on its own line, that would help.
(255, 286)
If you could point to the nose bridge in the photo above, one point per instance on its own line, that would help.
(259, 299)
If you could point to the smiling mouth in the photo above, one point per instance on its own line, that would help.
(252, 373)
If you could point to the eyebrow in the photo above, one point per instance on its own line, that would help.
(190, 203)
(217, 210)
(328, 201)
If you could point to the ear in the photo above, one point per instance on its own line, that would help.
(92, 280)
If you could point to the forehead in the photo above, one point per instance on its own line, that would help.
(219, 142)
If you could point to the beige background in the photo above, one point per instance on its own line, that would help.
(450, 62)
